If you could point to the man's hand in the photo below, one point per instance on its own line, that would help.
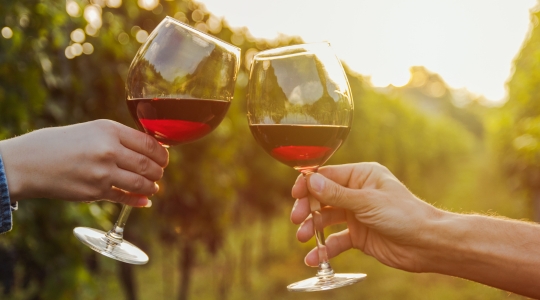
(384, 219)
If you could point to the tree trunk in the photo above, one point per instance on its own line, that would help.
(127, 280)
(186, 266)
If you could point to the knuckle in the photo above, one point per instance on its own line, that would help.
(138, 183)
(105, 124)
(100, 177)
(336, 194)
(106, 153)
(378, 167)
(150, 145)
(144, 163)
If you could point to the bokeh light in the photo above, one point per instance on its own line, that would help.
(180, 16)
(100, 3)
(76, 49)
(88, 48)
(197, 15)
(92, 14)
(123, 38)
(148, 4)
(141, 36)
(134, 30)
(24, 20)
(7, 33)
(201, 26)
(68, 53)
(78, 35)
(114, 3)
(90, 30)
(73, 9)
(214, 24)
(237, 39)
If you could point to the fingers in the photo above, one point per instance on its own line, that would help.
(139, 164)
(144, 144)
(299, 189)
(120, 196)
(335, 244)
(300, 211)
(134, 183)
(347, 175)
(330, 193)
(330, 216)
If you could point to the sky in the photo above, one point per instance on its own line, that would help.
(470, 43)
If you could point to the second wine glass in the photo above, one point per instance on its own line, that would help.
(300, 111)
(179, 87)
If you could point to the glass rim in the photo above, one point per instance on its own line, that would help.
(290, 50)
(205, 34)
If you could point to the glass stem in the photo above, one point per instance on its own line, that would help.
(116, 234)
(325, 269)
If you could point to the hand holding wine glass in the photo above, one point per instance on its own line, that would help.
(96, 160)
(300, 111)
(179, 88)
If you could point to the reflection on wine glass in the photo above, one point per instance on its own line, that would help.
(300, 111)
(178, 89)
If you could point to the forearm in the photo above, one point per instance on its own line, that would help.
(15, 153)
(493, 251)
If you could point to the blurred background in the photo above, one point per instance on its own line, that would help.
(219, 227)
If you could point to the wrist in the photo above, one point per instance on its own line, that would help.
(10, 157)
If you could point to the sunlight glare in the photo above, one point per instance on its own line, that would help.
(470, 44)
(148, 4)
(92, 14)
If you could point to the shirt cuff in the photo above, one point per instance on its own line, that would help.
(5, 203)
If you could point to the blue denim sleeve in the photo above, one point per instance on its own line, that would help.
(5, 203)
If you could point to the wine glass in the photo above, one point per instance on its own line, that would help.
(179, 87)
(300, 111)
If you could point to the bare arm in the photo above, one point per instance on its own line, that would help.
(497, 252)
(385, 220)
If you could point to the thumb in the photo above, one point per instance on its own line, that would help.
(330, 193)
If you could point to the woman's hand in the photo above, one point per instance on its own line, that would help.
(98, 160)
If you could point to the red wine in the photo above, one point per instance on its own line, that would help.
(177, 121)
(303, 147)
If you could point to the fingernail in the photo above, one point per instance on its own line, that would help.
(144, 202)
(316, 181)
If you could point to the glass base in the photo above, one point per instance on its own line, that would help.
(315, 284)
(120, 250)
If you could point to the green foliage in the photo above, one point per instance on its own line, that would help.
(518, 123)
(394, 132)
